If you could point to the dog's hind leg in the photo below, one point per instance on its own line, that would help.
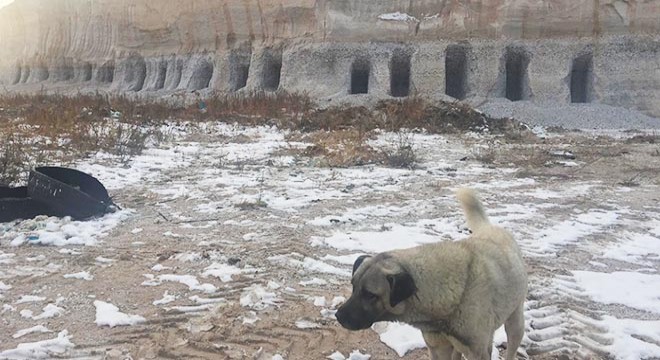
(515, 329)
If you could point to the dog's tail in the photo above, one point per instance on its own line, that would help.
(474, 211)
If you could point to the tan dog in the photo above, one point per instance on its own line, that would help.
(456, 293)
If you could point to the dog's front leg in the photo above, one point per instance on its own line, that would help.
(439, 347)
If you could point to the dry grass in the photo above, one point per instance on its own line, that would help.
(402, 154)
(644, 139)
(340, 148)
(73, 127)
(58, 129)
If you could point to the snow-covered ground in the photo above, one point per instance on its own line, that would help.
(187, 270)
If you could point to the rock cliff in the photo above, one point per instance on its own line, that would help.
(561, 50)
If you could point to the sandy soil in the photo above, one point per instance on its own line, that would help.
(275, 239)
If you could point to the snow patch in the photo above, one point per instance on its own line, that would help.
(83, 275)
(256, 297)
(29, 299)
(109, 315)
(54, 231)
(45, 349)
(401, 338)
(639, 291)
(34, 329)
(188, 280)
(397, 16)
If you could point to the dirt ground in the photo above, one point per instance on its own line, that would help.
(203, 211)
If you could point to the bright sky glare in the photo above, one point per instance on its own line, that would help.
(5, 2)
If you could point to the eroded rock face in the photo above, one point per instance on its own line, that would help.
(567, 50)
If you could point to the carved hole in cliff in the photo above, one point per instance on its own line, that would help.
(61, 72)
(201, 76)
(135, 73)
(41, 73)
(239, 69)
(25, 74)
(400, 74)
(456, 71)
(87, 72)
(517, 81)
(106, 74)
(271, 71)
(582, 79)
(161, 75)
(68, 72)
(17, 75)
(360, 76)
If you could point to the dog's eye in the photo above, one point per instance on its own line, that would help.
(368, 295)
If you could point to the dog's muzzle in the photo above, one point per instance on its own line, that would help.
(349, 321)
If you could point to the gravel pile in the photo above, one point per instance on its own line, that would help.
(570, 116)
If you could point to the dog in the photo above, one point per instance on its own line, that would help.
(457, 293)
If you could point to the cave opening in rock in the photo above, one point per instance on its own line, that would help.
(67, 72)
(87, 72)
(239, 69)
(161, 75)
(17, 75)
(201, 76)
(41, 73)
(582, 79)
(135, 72)
(106, 74)
(400, 74)
(272, 69)
(517, 80)
(360, 76)
(456, 71)
(25, 74)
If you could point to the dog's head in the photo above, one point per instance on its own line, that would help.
(380, 287)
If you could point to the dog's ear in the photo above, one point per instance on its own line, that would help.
(402, 286)
(358, 262)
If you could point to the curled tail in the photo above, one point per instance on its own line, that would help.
(474, 211)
